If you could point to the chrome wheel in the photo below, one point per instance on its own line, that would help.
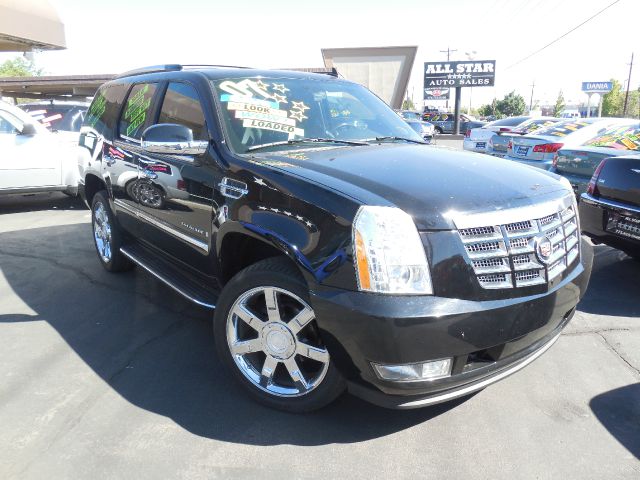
(149, 195)
(275, 343)
(102, 232)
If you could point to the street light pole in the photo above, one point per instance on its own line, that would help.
(448, 52)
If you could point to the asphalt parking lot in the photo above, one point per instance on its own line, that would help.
(114, 376)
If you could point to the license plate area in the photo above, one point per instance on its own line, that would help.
(481, 144)
(624, 226)
(520, 150)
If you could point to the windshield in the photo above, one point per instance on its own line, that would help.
(260, 111)
(535, 124)
(562, 129)
(621, 137)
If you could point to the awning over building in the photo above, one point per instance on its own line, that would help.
(383, 70)
(27, 25)
(58, 87)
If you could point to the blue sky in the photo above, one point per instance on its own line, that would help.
(117, 35)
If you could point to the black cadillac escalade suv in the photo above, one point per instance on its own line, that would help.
(338, 251)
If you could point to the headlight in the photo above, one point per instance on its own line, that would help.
(388, 253)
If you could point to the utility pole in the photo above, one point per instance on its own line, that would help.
(626, 96)
(533, 85)
(448, 51)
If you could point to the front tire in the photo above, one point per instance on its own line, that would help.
(266, 334)
(108, 237)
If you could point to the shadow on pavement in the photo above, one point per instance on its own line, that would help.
(613, 288)
(619, 411)
(39, 201)
(156, 349)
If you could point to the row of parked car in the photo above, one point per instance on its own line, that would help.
(599, 157)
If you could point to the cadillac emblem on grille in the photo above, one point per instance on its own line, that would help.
(522, 247)
(544, 248)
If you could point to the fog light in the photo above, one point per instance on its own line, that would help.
(414, 372)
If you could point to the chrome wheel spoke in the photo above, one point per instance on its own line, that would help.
(248, 317)
(271, 298)
(246, 346)
(314, 353)
(296, 374)
(301, 320)
(268, 370)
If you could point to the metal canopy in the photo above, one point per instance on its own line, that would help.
(383, 70)
(58, 87)
(27, 25)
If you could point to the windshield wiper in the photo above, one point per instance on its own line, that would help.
(382, 139)
(306, 140)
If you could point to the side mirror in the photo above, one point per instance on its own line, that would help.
(172, 139)
(28, 129)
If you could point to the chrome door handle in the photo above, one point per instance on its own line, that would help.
(151, 175)
(110, 161)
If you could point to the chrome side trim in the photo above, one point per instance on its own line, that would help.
(163, 279)
(585, 197)
(513, 215)
(479, 386)
(162, 226)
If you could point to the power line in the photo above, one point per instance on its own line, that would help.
(562, 36)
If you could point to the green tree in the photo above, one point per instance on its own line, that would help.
(19, 67)
(559, 106)
(613, 101)
(407, 104)
(512, 104)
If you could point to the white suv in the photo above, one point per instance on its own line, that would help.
(32, 159)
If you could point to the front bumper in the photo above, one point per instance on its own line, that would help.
(595, 216)
(487, 340)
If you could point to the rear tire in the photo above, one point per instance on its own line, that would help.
(108, 237)
(267, 336)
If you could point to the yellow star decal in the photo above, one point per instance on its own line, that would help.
(298, 115)
(280, 87)
(279, 98)
(299, 106)
(261, 85)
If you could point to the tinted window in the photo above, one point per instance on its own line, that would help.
(104, 109)
(181, 105)
(625, 137)
(9, 123)
(507, 122)
(68, 118)
(536, 124)
(136, 111)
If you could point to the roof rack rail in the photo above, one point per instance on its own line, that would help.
(198, 65)
(152, 69)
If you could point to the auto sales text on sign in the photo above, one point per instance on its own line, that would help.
(477, 73)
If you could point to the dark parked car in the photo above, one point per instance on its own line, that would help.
(339, 252)
(610, 208)
(578, 164)
(443, 122)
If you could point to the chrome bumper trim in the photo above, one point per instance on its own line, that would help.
(484, 383)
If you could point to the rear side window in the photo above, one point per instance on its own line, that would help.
(507, 122)
(625, 137)
(104, 109)
(181, 105)
(136, 111)
(562, 129)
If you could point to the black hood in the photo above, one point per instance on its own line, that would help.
(424, 181)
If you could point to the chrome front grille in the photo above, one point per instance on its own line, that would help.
(502, 245)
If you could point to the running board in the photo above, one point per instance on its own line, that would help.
(182, 283)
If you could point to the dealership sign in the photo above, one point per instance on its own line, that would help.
(476, 73)
(597, 87)
(436, 93)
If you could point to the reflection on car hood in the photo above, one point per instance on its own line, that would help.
(426, 182)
